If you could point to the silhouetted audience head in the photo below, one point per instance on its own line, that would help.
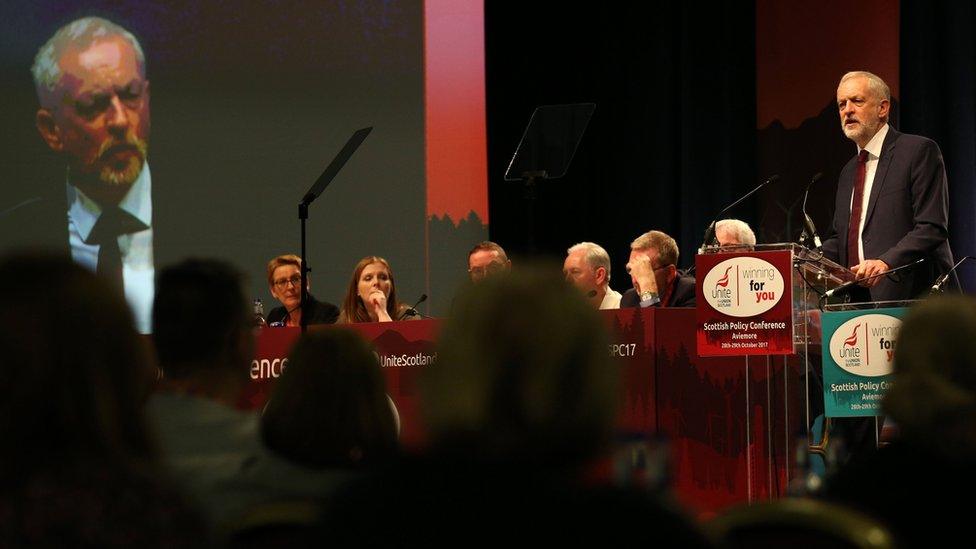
(78, 468)
(329, 408)
(74, 370)
(523, 395)
(522, 373)
(933, 399)
(201, 319)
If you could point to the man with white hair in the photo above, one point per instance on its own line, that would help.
(91, 84)
(734, 233)
(587, 266)
(892, 199)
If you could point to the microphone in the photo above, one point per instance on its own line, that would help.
(412, 311)
(809, 230)
(710, 231)
(846, 285)
(940, 282)
(23, 204)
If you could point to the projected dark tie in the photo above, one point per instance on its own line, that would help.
(855, 222)
(112, 223)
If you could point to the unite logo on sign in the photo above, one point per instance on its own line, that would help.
(743, 286)
(865, 345)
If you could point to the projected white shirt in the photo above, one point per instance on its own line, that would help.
(138, 271)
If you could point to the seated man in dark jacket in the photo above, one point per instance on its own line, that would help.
(653, 269)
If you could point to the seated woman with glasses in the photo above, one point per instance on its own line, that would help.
(371, 296)
(285, 282)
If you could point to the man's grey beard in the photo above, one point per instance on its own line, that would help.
(110, 176)
(127, 176)
(862, 130)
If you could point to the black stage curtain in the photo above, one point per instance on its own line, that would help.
(673, 137)
(938, 89)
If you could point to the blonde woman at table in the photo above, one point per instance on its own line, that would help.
(285, 284)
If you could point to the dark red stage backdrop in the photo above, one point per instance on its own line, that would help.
(802, 50)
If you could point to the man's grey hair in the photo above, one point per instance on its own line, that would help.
(594, 254)
(666, 247)
(740, 230)
(78, 34)
(875, 83)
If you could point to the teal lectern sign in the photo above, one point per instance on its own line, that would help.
(858, 348)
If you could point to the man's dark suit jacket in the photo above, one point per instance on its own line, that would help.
(37, 223)
(682, 294)
(907, 217)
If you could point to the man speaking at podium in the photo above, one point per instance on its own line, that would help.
(892, 200)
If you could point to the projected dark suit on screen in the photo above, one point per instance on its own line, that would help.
(94, 113)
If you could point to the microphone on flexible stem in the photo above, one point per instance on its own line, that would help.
(809, 230)
(846, 285)
(940, 282)
(710, 232)
(412, 311)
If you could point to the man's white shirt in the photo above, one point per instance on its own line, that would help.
(138, 271)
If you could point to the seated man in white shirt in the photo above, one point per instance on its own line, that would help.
(587, 266)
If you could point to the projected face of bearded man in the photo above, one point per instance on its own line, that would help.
(97, 115)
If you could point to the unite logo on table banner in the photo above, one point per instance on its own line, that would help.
(743, 286)
(865, 345)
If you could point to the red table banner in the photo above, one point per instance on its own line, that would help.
(729, 421)
(402, 348)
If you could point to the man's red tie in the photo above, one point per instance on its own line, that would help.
(855, 221)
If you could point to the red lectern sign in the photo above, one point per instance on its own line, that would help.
(745, 303)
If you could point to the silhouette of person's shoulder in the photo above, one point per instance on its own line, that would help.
(499, 502)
